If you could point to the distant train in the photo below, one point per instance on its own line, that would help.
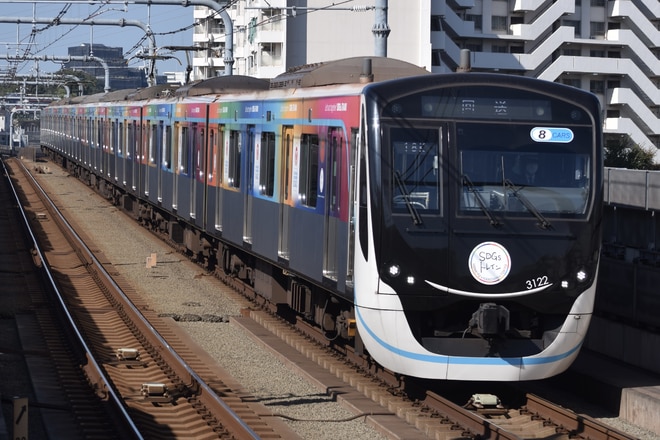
(370, 193)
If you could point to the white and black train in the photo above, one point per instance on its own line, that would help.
(453, 219)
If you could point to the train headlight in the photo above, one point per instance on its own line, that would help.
(394, 270)
(581, 276)
(410, 279)
(564, 284)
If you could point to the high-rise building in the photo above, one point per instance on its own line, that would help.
(121, 76)
(610, 47)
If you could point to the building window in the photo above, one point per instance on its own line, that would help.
(474, 47)
(435, 57)
(476, 19)
(436, 23)
(597, 29)
(571, 52)
(575, 24)
(597, 86)
(499, 23)
(573, 82)
(499, 48)
(597, 53)
(597, 2)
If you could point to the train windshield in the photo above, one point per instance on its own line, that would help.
(500, 170)
(504, 169)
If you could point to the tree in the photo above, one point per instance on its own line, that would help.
(622, 152)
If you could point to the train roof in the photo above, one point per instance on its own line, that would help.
(346, 71)
(223, 84)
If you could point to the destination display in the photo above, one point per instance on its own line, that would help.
(486, 108)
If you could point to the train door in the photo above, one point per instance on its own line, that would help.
(197, 169)
(133, 157)
(249, 176)
(287, 151)
(120, 152)
(219, 147)
(352, 200)
(334, 150)
(176, 163)
(152, 133)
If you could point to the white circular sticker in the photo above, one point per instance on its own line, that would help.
(489, 263)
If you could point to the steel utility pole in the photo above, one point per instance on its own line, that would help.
(381, 29)
(219, 7)
(151, 77)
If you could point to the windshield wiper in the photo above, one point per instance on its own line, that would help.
(417, 219)
(480, 201)
(543, 222)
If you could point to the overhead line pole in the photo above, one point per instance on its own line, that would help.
(151, 77)
(211, 4)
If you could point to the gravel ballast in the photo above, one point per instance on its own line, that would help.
(178, 288)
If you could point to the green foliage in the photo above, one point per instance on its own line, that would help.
(622, 152)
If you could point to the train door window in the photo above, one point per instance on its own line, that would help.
(212, 168)
(197, 147)
(309, 167)
(336, 140)
(153, 140)
(267, 164)
(184, 150)
(234, 159)
(167, 148)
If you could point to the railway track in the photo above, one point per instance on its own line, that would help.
(433, 416)
(160, 388)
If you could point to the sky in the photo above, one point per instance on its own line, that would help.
(166, 22)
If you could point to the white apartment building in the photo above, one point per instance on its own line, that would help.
(610, 47)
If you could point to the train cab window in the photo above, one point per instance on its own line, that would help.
(415, 171)
(234, 159)
(267, 164)
(309, 168)
(508, 173)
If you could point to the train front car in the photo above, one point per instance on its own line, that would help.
(478, 225)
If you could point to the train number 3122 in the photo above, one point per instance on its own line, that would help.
(537, 282)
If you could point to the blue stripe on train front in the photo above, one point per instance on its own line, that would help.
(442, 359)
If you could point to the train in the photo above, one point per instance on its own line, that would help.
(373, 199)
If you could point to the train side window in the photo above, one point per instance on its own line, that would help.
(234, 159)
(309, 169)
(267, 164)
